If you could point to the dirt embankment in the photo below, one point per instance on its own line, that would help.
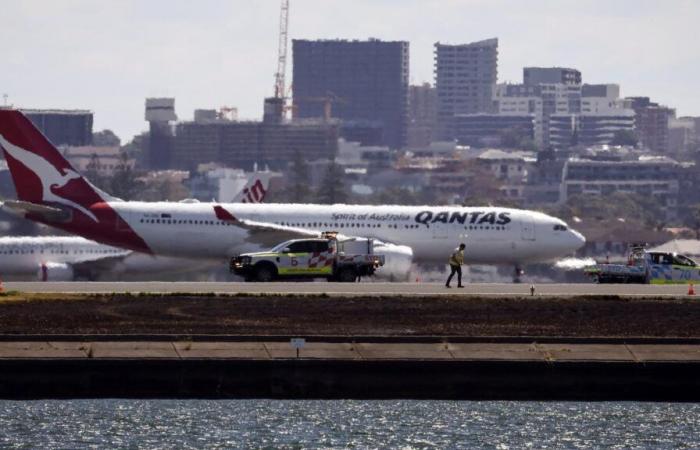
(318, 315)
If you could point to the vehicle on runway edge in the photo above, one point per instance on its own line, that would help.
(50, 191)
(647, 267)
(326, 257)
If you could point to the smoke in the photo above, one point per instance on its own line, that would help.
(574, 263)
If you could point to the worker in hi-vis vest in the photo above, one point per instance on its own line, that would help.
(456, 261)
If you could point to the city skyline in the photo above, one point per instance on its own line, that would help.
(109, 57)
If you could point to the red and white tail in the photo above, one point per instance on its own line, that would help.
(50, 190)
(41, 174)
(255, 189)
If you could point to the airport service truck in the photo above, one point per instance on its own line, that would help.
(649, 268)
(327, 257)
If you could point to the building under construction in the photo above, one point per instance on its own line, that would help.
(242, 144)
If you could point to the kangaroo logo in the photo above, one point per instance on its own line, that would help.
(49, 176)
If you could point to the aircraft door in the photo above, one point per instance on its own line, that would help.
(527, 229)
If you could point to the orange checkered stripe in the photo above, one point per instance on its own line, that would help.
(321, 259)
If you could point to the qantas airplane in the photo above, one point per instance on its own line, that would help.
(50, 191)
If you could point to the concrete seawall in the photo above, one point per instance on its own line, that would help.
(347, 368)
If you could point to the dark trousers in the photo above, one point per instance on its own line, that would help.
(455, 270)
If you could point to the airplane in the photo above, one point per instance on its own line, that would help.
(50, 191)
(69, 258)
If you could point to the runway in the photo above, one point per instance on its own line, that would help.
(349, 289)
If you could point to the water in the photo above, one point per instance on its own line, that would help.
(346, 424)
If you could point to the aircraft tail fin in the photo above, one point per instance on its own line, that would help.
(256, 188)
(40, 172)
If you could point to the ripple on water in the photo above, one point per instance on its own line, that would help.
(290, 424)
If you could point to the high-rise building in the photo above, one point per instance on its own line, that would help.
(651, 123)
(353, 80)
(63, 126)
(160, 113)
(421, 115)
(465, 80)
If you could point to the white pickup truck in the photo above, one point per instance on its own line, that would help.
(648, 267)
(326, 257)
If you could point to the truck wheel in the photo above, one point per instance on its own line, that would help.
(347, 275)
(265, 272)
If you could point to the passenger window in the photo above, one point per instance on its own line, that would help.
(320, 246)
(299, 247)
(667, 259)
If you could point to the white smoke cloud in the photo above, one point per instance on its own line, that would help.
(574, 263)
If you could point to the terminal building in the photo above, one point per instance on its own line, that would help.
(63, 126)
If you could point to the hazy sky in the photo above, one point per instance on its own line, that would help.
(108, 56)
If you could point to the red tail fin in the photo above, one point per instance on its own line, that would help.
(40, 173)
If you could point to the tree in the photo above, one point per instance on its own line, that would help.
(105, 138)
(332, 189)
(631, 207)
(124, 183)
(624, 137)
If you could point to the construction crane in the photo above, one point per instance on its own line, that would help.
(327, 101)
(282, 50)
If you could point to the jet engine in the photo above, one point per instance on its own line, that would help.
(398, 260)
(55, 272)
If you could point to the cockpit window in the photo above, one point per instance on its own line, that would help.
(559, 227)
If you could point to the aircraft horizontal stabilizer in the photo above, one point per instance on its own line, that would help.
(48, 213)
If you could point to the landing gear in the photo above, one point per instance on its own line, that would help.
(519, 272)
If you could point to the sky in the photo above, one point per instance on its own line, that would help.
(109, 55)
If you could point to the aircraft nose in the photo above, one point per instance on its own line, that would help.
(577, 238)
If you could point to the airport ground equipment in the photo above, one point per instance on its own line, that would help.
(326, 257)
(648, 268)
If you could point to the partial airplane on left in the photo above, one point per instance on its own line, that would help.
(68, 258)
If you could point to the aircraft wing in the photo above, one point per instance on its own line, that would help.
(265, 234)
(268, 234)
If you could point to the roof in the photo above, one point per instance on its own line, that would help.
(683, 246)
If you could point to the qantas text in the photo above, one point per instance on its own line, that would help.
(472, 217)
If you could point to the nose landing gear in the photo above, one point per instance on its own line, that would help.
(519, 272)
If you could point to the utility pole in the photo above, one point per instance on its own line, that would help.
(4, 99)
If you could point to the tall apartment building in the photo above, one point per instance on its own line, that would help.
(651, 123)
(356, 80)
(63, 126)
(601, 116)
(465, 80)
(421, 115)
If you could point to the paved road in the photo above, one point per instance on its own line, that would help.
(552, 352)
(349, 289)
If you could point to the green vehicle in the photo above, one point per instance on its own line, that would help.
(326, 257)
